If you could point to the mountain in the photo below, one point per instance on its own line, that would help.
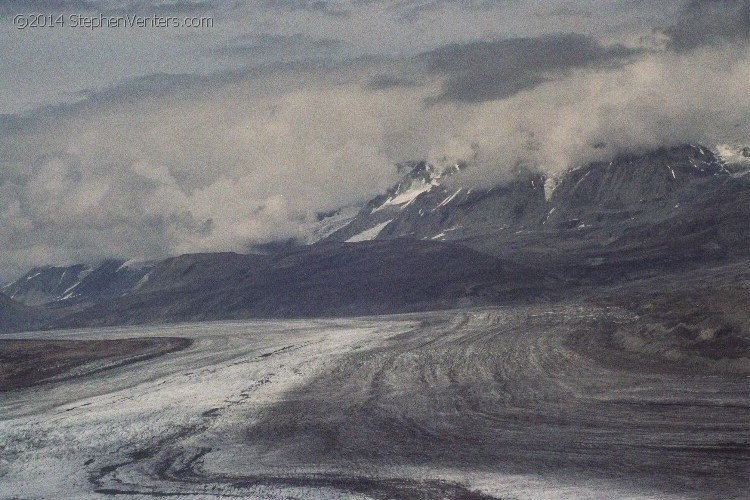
(430, 242)
(15, 316)
(327, 279)
(638, 212)
(77, 284)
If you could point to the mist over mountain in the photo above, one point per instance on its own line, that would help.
(408, 249)
(174, 162)
(429, 242)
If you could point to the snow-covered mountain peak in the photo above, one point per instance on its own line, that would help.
(416, 178)
(426, 171)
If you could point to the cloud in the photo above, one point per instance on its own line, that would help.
(208, 164)
(569, 10)
(404, 10)
(42, 6)
(710, 23)
(325, 7)
(658, 100)
(386, 82)
(168, 164)
(271, 47)
(485, 71)
(410, 10)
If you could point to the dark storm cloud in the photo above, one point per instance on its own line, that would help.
(485, 71)
(279, 47)
(710, 23)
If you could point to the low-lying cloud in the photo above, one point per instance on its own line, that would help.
(172, 164)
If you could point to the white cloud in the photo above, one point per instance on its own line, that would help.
(170, 165)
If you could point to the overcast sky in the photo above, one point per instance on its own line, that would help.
(145, 142)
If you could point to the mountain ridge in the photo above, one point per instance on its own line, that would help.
(428, 244)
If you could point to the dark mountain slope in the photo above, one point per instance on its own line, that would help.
(15, 316)
(321, 280)
(429, 243)
(45, 284)
(605, 221)
(662, 211)
(78, 284)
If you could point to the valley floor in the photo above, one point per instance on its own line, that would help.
(566, 400)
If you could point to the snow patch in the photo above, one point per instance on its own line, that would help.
(329, 225)
(550, 184)
(142, 281)
(449, 199)
(69, 291)
(582, 178)
(136, 265)
(407, 197)
(369, 234)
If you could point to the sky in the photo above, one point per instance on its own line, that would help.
(144, 142)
